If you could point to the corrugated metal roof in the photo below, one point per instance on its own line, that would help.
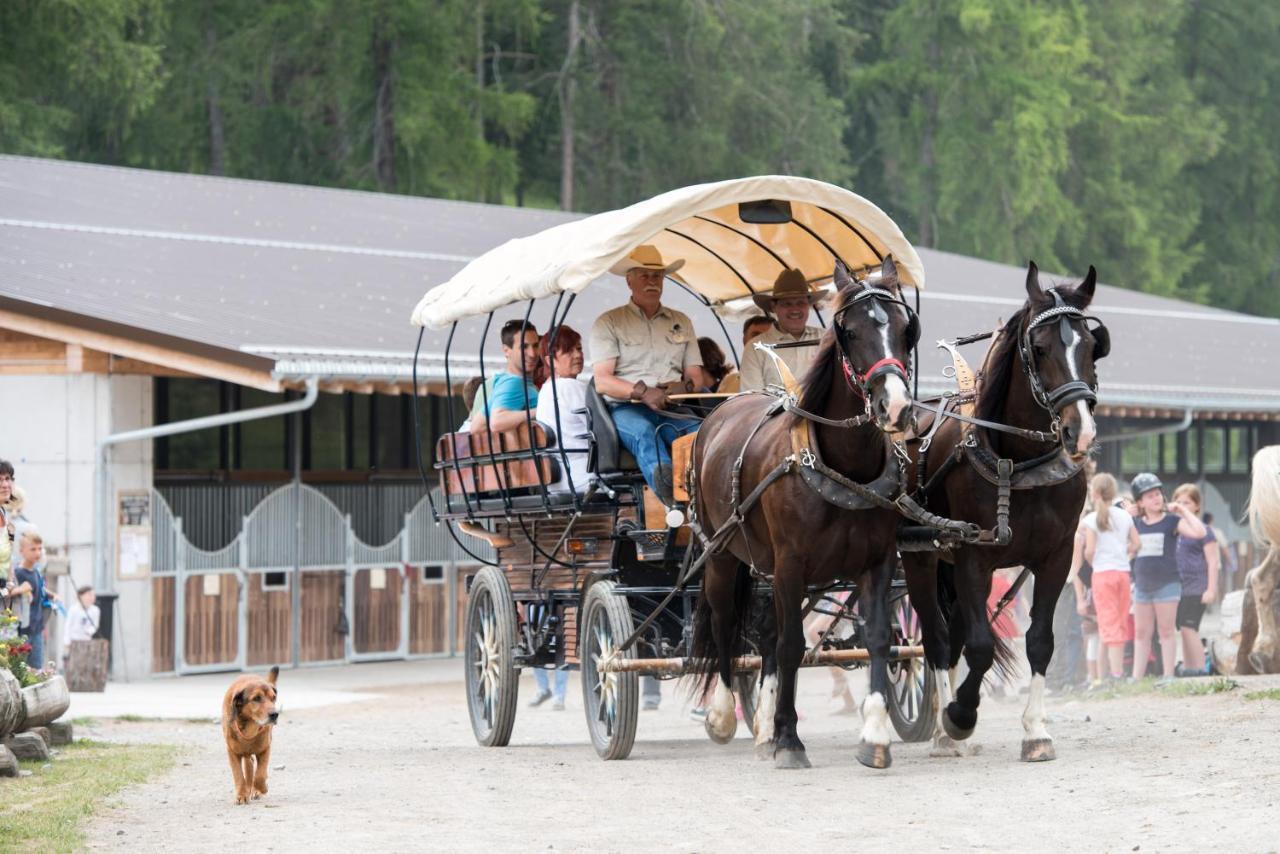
(326, 279)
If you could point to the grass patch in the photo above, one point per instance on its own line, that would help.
(1269, 694)
(1151, 685)
(45, 812)
(135, 719)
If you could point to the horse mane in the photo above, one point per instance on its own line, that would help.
(816, 381)
(998, 368)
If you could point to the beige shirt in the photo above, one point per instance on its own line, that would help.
(656, 350)
(758, 370)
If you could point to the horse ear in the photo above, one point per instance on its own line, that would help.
(1035, 293)
(841, 276)
(888, 272)
(1084, 290)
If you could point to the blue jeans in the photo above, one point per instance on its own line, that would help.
(35, 658)
(648, 435)
(540, 679)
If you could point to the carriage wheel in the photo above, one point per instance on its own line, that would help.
(611, 700)
(912, 700)
(489, 657)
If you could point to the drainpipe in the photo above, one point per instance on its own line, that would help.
(1176, 427)
(104, 579)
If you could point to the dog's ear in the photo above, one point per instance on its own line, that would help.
(271, 677)
(240, 700)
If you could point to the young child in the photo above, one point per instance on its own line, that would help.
(30, 585)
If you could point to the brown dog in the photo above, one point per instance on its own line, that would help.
(248, 714)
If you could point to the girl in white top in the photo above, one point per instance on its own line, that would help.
(1111, 541)
(570, 395)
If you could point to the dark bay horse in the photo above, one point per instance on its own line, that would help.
(1038, 376)
(794, 535)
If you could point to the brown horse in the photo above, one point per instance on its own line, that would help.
(1039, 378)
(794, 535)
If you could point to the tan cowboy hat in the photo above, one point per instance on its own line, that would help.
(790, 283)
(647, 257)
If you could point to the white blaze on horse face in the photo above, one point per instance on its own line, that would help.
(766, 707)
(722, 722)
(1033, 718)
(1088, 429)
(875, 720)
(898, 397)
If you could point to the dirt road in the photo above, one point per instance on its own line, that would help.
(402, 773)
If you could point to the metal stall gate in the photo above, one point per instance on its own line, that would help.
(234, 608)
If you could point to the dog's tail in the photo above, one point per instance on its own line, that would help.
(271, 677)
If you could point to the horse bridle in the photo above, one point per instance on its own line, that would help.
(861, 382)
(1073, 390)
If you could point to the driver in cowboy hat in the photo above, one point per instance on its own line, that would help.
(790, 302)
(641, 352)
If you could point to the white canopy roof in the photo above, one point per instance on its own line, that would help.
(725, 257)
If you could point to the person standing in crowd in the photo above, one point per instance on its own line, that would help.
(569, 396)
(1157, 586)
(7, 529)
(1198, 565)
(30, 585)
(752, 329)
(1111, 541)
(791, 301)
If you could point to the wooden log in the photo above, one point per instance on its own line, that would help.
(45, 702)
(28, 746)
(8, 762)
(60, 733)
(87, 665)
(748, 663)
(11, 708)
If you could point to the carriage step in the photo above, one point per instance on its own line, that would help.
(651, 544)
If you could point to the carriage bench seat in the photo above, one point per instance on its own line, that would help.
(469, 463)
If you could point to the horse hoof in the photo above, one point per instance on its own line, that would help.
(789, 759)
(959, 729)
(1038, 750)
(720, 734)
(874, 755)
(764, 750)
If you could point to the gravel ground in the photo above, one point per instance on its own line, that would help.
(402, 773)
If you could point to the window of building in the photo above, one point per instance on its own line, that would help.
(361, 440)
(260, 443)
(1169, 452)
(392, 438)
(327, 431)
(1138, 454)
(275, 581)
(1193, 448)
(1213, 446)
(200, 450)
(433, 574)
(1238, 455)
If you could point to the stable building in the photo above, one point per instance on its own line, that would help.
(212, 402)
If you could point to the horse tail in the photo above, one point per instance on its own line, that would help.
(1004, 656)
(1264, 497)
(705, 651)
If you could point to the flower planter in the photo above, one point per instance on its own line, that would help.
(45, 701)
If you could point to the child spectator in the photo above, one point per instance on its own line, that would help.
(1111, 541)
(30, 585)
(1157, 587)
(1198, 564)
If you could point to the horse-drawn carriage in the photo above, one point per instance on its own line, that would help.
(603, 577)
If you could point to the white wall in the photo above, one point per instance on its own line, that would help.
(50, 435)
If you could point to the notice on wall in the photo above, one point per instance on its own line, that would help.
(377, 579)
(133, 534)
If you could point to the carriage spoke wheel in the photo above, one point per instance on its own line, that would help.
(912, 699)
(489, 658)
(611, 700)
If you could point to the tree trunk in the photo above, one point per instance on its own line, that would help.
(384, 122)
(45, 702)
(566, 89)
(12, 709)
(217, 138)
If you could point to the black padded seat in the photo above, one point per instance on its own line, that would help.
(607, 454)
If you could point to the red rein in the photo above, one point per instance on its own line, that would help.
(858, 381)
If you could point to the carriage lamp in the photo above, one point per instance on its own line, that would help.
(586, 546)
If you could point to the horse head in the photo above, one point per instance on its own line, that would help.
(1060, 344)
(875, 332)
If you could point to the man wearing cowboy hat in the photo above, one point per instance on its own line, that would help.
(790, 303)
(640, 351)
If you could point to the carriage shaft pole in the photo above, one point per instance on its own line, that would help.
(748, 663)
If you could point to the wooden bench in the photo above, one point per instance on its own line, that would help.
(468, 461)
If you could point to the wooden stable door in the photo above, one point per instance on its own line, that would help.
(376, 612)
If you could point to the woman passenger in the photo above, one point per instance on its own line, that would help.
(570, 394)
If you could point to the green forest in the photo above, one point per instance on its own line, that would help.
(1136, 135)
